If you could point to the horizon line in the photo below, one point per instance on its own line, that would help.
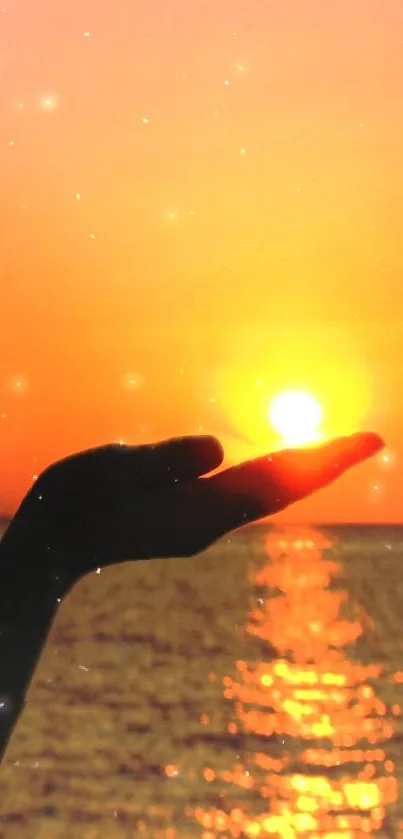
(6, 519)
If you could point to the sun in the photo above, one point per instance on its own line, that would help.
(296, 416)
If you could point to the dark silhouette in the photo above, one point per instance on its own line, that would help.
(117, 503)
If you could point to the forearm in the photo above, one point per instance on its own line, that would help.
(28, 604)
(20, 649)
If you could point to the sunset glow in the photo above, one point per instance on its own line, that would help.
(200, 209)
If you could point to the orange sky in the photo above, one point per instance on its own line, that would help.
(201, 201)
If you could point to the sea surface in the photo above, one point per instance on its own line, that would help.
(255, 691)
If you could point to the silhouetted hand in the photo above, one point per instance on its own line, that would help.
(118, 502)
(115, 503)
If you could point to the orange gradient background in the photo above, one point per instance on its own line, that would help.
(200, 207)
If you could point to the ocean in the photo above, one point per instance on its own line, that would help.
(254, 691)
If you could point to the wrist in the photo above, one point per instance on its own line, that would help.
(34, 574)
(29, 598)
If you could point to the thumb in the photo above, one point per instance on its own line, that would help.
(263, 487)
(307, 469)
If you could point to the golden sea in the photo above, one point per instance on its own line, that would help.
(253, 692)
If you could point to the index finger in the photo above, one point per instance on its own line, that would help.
(262, 487)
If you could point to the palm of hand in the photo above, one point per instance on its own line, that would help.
(117, 503)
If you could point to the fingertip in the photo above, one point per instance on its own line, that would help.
(212, 449)
(360, 446)
(368, 441)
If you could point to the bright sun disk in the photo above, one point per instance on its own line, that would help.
(296, 416)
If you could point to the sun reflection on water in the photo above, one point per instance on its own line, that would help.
(316, 733)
